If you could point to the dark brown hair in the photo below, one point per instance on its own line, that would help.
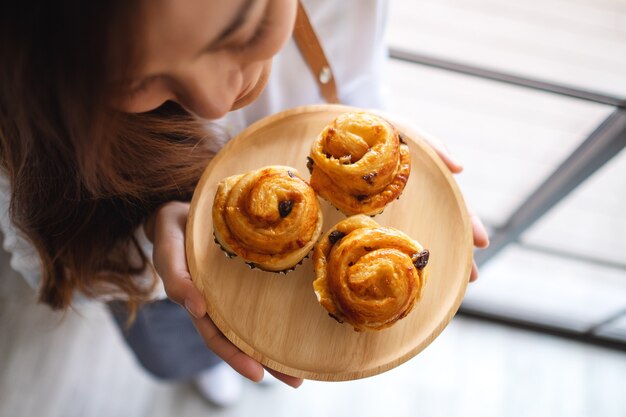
(83, 177)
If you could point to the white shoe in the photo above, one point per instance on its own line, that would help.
(221, 385)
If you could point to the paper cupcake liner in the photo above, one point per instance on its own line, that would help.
(253, 265)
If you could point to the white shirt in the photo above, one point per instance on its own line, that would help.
(351, 34)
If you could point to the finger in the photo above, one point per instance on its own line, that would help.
(222, 347)
(474, 273)
(481, 237)
(292, 381)
(170, 261)
(407, 127)
(453, 165)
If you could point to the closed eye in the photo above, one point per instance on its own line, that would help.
(140, 87)
(259, 33)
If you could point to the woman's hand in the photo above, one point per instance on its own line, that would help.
(166, 229)
(481, 238)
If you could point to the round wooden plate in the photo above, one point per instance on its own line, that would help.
(276, 319)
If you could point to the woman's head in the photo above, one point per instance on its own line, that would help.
(209, 56)
(89, 135)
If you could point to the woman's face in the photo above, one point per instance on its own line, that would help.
(210, 56)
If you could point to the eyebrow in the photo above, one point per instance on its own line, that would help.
(234, 25)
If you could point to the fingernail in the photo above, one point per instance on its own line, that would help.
(456, 162)
(486, 240)
(191, 309)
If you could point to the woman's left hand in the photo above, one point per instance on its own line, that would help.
(481, 238)
(166, 229)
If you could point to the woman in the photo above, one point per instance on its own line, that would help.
(102, 137)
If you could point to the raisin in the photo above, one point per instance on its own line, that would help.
(335, 236)
(285, 207)
(309, 164)
(291, 174)
(360, 197)
(402, 139)
(369, 178)
(335, 317)
(420, 260)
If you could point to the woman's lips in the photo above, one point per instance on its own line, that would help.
(245, 91)
(251, 92)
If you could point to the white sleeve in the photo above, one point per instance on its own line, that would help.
(24, 257)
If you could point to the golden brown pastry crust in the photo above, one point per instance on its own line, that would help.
(367, 275)
(270, 217)
(359, 163)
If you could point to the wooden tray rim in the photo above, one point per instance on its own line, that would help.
(414, 136)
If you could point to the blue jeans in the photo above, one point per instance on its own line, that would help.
(164, 340)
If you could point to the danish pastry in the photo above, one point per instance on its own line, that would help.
(270, 217)
(367, 275)
(359, 163)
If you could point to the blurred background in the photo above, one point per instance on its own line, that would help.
(531, 97)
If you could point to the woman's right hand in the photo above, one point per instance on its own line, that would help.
(166, 229)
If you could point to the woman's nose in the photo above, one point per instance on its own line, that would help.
(208, 91)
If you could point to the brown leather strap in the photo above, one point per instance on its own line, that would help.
(313, 54)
